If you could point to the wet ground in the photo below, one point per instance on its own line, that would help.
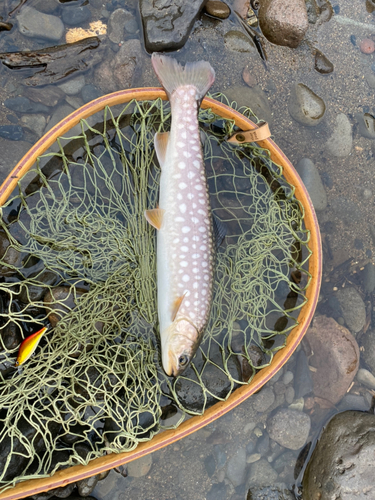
(227, 457)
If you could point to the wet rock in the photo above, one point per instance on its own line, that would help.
(87, 485)
(335, 358)
(312, 11)
(11, 132)
(260, 473)
(368, 275)
(253, 98)
(342, 464)
(167, 24)
(249, 77)
(241, 7)
(24, 105)
(61, 300)
(302, 381)
(218, 9)
(90, 92)
(59, 114)
(218, 492)
(366, 125)
(63, 492)
(34, 123)
(9, 256)
(236, 41)
(289, 395)
(116, 24)
(33, 292)
(341, 140)
(76, 15)
(117, 73)
(48, 95)
(283, 22)
(353, 402)
(322, 64)
(254, 457)
(366, 378)
(311, 178)
(35, 24)
(275, 492)
(289, 428)
(305, 106)
(73, 86)
(140, 467)
(288, 377)
(263, 445)
(263, 400)
(11, 336)
(210, 465)
(353, 308)
(368, 352)
(46, 6)
(236, 467)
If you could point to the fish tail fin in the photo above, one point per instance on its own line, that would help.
(172, 75)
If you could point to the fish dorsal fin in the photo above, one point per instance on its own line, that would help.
(155, 217)
(176, 306)
(220, 231)
(161, 142)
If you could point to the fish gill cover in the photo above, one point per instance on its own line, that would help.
(77, 255)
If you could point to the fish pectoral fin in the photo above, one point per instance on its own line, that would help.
(155, 217)
(176, 306)
(161, 142)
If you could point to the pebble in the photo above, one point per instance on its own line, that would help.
(368, 275)
(24, 105)
(116, 24)
(289, 395)
(312, 11)
(353, 402)
(288, 377)
(250, 426)
(298, 404)
(73, 86)
(367, 46)
(368, 353)
(35, 24)
(36, 123)
(311, 179)
(261, 473)
(340, 142)
(140, 467)
(353, 308)
(217, 9)
(131, 26)
(263, 400)
(11, 132)
(277, 491)
(322, 64)
(249, 77)
(289, 428)
(89, 92)
(74, 15)
(366, 125)
(236, 467)
(237, 41)
(87, 485)
(305, 106)
(253, 458)
(366, 378)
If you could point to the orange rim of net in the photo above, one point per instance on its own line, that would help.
(75, 473)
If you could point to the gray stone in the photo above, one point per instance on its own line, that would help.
(289, 395)
(140, 467)
(217, 9)
(11, 153)
(24, 105)
(236, 467)
(342, 464)
(289, 428)
(35, 123)
(288, 377)
(368, 352)
(311, 179)
(341, 141)
(263, 400)
(305, 106)
(46, 6)
(35, 24)
(366, 125)
(283, 22)
(353, 402)
(353, 308)
(116, 24)
(277, 491)
(73, 86)
(218, 492)
(302, 381)
(236, 41)
(167, 23)
(87, 485)
(261, 473)
(322, 64)
(369, 277)
(366, 378)
(76, 15)
(254, 98)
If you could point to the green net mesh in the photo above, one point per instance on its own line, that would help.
(78, 255)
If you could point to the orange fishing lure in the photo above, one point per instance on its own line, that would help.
(29, 345)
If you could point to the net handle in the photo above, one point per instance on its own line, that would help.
(101, 464)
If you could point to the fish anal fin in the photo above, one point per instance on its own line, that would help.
(155, 217)
(161, 142)
(176, 306)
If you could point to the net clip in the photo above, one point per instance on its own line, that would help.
(258, 133)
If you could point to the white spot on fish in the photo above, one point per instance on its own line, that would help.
(181, 165)
(182, 185)
(194, 220)
(202, 229)
(191, 127)
(191, 174)
(192, 315)
(181, 144)
(204, 292)
(186, 239)
(176, 176)
(198, 187)
(201, 201)
(176, 240)
(204, 264)
(196, 255)
(182, 208)
(206, 277)
(183, 135)
(179, 196)
(202, 212)
(185, 278)
(195, 285)
(183, 263)
(195, 237)
(194, 205)
(190, 196)
(185, 229)
(179, 219)
(186, 154)
(195, 148)
(180, 125)
(184, 249)
(186, 303)
(196, 163)
(203, 247)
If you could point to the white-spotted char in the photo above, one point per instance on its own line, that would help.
(185, 247)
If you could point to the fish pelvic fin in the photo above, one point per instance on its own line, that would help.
(176, 306)
(155, 217)
(172, 75)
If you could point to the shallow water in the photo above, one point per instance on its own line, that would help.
(200, 466)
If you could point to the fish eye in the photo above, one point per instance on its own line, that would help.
(183, 360)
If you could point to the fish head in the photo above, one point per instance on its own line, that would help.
(179, 347)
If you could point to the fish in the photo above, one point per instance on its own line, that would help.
(185, 241)
(28, 346)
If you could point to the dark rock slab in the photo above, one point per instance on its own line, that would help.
(11, 132)
(56, 62)
(167, 23)
(274, 492)
(24, 105)
(342, 464)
